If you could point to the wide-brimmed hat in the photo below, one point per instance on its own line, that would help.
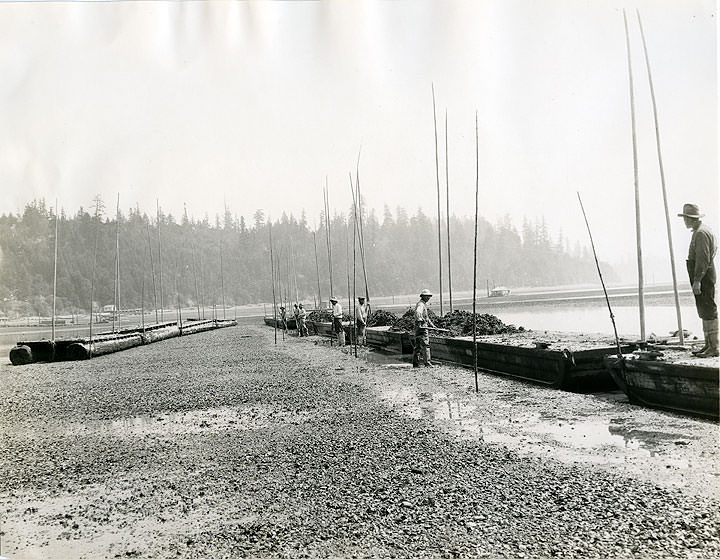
(300, 305)
(361, 298)
(691, 211)
(426, 292)
(333, 299)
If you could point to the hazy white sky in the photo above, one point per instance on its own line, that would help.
(255, 103)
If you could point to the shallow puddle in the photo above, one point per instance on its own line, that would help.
(595, 438)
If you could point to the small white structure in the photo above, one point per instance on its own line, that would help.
(499, 291)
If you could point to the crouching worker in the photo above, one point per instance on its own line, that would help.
(302, 320)
(422, 336)
(337, 321)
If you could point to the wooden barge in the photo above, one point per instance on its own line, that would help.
(271, 321)
(579, 370)
(384, 338)
(679, 387)
(72, 349)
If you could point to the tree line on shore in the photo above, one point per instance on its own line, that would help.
(207, 262)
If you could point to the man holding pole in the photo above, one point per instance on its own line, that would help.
(422, 336)
(701, 269)
(337, 321)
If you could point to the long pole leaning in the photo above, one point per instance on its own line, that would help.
(447, 211)
(477, 189)
(437, 181)
(638, 233)
(602, 282)
(662, 181)
(272, 281)
(55, 274)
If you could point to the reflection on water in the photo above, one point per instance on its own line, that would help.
(538, 432)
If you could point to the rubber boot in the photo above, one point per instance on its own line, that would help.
(705, 337)
(341, 338)
(711, 339)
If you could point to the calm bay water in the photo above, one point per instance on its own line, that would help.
(660, 320)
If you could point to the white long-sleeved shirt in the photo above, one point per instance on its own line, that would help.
(337, 311)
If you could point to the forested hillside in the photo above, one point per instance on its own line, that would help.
(199, 259)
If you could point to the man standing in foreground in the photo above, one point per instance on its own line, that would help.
(422, 336)
(361, 317)
(337, 321)
(701, 269)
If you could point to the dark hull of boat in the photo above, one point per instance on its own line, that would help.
(687, 389)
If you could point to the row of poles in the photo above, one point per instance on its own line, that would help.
(159, 317)
(358, 241)
(641, 303)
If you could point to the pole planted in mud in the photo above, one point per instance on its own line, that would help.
(437, 181)
(477, 189)
(327, 233)
(92, 280)
(162, 299)
(272, 280)
(55, 274)
(152, 270)
(638, 233)
(116, 301)
(361, 231)
(317, 270)
(447, 211)
(662, 182)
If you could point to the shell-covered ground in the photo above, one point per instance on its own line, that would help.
(223, 444)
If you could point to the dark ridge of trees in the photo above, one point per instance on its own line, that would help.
(401, 252)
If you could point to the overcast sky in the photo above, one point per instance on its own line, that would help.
(254, 104)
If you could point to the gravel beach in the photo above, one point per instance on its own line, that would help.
(222, 444)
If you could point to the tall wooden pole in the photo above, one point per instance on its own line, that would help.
(477, 189)
(355, 229)
(437, 180)
(116, 302)
(361, 231)
(272, 279)
(55, 274)
(317, 268)
(222, 275)
(92, 280)
(447, 210)
(152, 269)
(162, 299)
(328, 235)
(664, 190)
(638, 233)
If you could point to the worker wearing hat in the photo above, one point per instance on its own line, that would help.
(422, 336)
(302, 320)
(337, 320)
(361, 317)
(701, 269)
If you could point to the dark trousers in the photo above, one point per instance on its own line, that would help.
(705, 302)
(421, 349)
